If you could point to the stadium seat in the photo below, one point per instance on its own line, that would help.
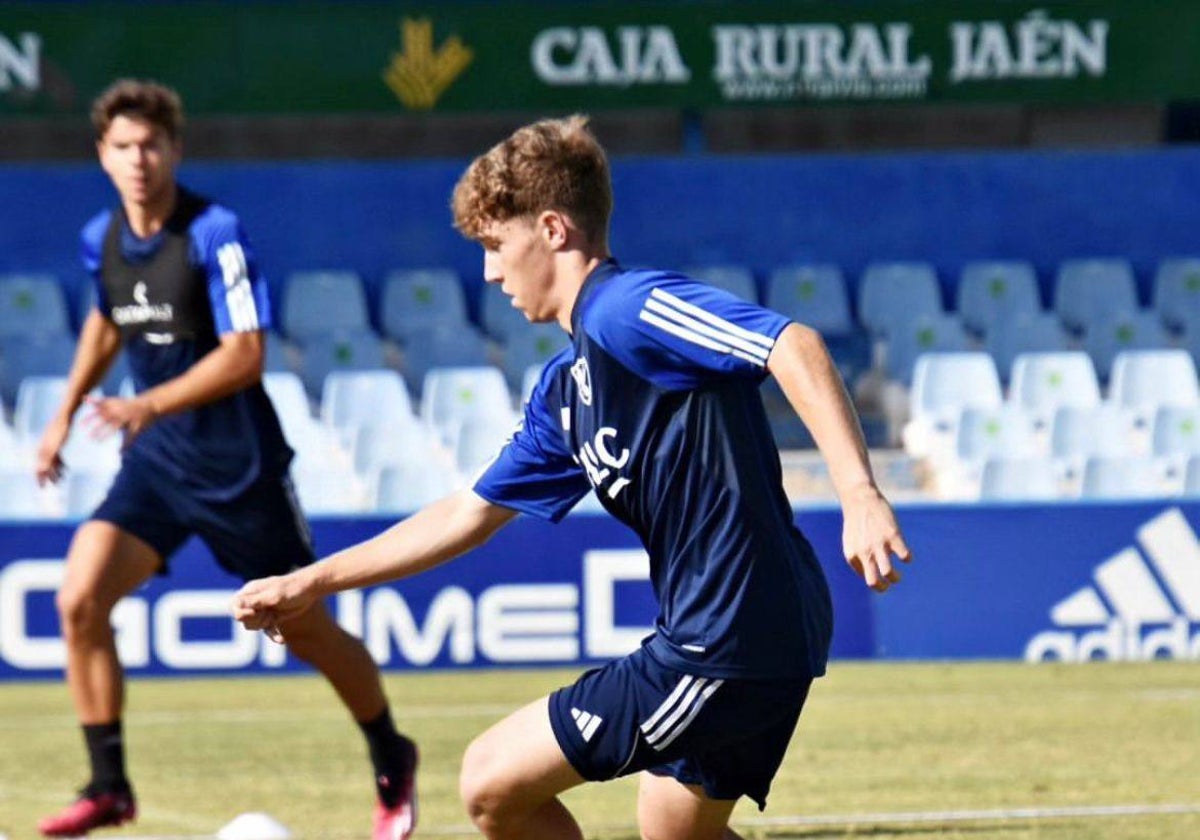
(1177, 293)
(1012, 335)
(351, 350)
(532, 344)
(497, 313)
(814, 295)
(1175, 435)
(943, 385)
(83, 492)
(1078, 433)
(1191, 477)
(454, 395)
(529, 381)
(1042, 382)
(897, 293)
(277, 355)
(14, 455)
(32, 304)
(286, 391)
(358, 398)
(22, 498)
(1121, 477)
(992, 291)
(408, 487)
(85, 452)
(320, 302)
(738, 280)
(44, 354)
(1087, 290)
(376, 447)
(983, 433)
(330, 490)
(480, 440)
(1110, 334)
(417, 299)
(444, 347)
(1146, 379)
(908, 339)
(1018, 479)
(37, 400)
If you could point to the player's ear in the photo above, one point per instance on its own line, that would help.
(554, 228)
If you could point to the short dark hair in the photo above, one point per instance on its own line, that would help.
(142, 98)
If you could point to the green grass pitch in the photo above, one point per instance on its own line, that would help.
(991, 751)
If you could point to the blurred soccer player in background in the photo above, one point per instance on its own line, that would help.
(177, 286)
(656, 409)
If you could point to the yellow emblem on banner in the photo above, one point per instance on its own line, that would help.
(418, 74)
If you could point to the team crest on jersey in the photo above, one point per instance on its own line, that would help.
(583, 379)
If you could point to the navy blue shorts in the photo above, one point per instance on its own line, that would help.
(256, 534)
(728, 736)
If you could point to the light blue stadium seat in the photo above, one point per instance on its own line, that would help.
(814, 295)
(442, 347)
(938, 333)
(1177, 293)
(529, 381)
(278, 356)
(1111, 334)
(1121, 477)
(1078, 433)
(1012, 335)
(892, 294)
(84, 490)
(1088, 290)
(358, 350)
(993, 432)
(408, 487)
(46, 354)
(532, 344)
(35, 404)
(454, 395)
(414, 300)
(738, 280)
(32, 304)
(1175, 436)
(1010, 479)
(479, 441)
(330, 490)
(287, 394)
(14, 454)
(1143, 380)
(376, 447)
(1191, 477)
(354, 399)
(320, 302)
(1042, 382)
(22, 498)
(943, 385)
(990, 291)
(497, 314)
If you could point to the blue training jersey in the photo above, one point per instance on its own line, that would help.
(172, 296)
(655, 408)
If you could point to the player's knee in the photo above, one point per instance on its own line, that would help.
(482, 786)
(79, 612)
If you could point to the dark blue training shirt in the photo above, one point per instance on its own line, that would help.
(656, 408)
(172, 295)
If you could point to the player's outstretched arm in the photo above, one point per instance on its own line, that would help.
(809, 378)
(437, 533)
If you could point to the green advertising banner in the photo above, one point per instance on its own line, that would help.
(396, 57)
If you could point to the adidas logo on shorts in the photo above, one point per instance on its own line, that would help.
(587, 722)
(1140, 606)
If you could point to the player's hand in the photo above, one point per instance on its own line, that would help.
(131, 416)
(871, 538)
(49, 466)
(266, 603)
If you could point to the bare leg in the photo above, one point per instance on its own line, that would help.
(669, 810)
(317, 639)
(512, 775)
(103, 565)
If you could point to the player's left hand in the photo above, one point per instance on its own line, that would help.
(130, 416)
(871, 537)
(266, 603)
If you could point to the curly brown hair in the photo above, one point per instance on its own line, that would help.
(553, 164)
(142, 98)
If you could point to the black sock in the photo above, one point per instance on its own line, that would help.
(106, 752)
(392, 756)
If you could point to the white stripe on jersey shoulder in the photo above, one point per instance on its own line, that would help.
(698, 326)
(239, 298)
